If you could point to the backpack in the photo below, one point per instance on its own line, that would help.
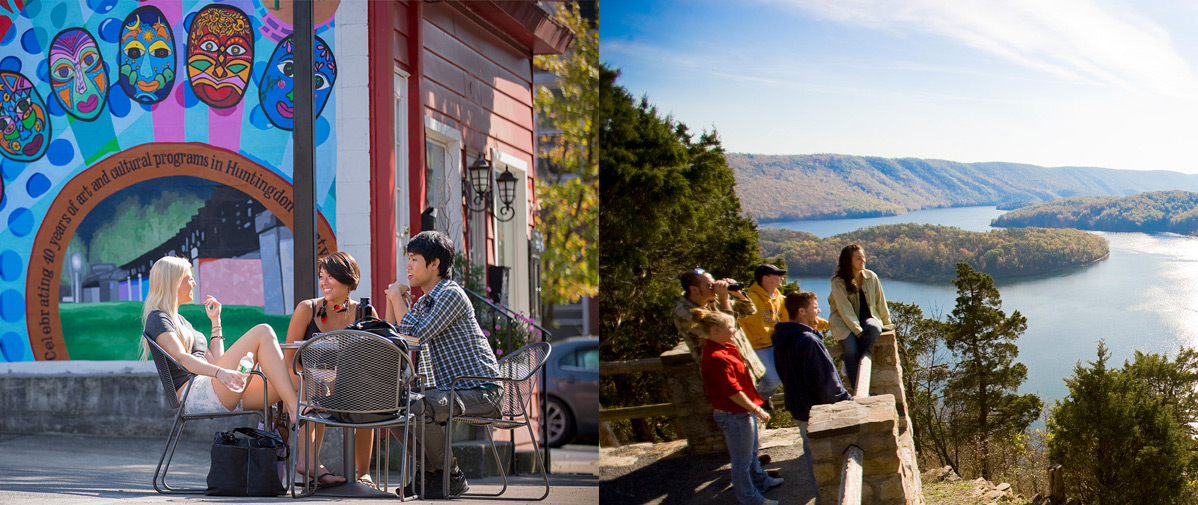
(358, 376)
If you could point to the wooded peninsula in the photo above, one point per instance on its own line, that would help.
(929, 253)
(1152, 212)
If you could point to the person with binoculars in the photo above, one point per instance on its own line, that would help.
(702, 291)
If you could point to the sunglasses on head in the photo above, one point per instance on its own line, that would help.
(699, 271)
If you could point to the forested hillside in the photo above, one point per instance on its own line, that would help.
(1158, 211)
(793, 187)
(925, 253)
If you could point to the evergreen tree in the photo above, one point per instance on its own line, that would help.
(668, 206)
(982, 390)
(1122, 436)
(925, 374)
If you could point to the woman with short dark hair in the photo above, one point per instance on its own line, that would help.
(334, 310)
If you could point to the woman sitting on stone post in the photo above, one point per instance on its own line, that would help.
(859, 312)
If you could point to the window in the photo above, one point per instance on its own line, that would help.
(586, 358)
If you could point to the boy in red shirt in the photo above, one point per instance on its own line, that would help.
(737, 406)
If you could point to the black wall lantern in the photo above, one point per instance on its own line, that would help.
(507, 195)
(478, 179)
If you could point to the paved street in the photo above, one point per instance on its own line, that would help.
(61, 469)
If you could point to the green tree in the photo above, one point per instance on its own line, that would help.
(925, 373)
(668, 205)
(1122, 436)
(567, 189)
(981, 393)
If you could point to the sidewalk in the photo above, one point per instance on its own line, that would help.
(64, 469)
(667, 473)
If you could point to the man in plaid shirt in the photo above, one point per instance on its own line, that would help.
(443, 320)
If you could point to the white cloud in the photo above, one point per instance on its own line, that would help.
(1074, 39)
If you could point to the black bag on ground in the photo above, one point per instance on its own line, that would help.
(371, 375)
(245, 463)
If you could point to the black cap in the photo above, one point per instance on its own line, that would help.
(768, 269)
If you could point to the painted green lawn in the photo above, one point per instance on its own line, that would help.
(109, 330)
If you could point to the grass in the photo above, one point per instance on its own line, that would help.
(109, 330)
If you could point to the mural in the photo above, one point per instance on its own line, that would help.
(220, 55)
(78, 74)
(147, 55)
(275, 88)
(96, 184)
(23, 118)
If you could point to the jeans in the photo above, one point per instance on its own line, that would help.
(770, 381)
(855, 346)
(740, 432)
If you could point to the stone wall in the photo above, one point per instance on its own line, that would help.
(693, 418)
(880, 426)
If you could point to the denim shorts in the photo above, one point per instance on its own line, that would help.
(202, 397)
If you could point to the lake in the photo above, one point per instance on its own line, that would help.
(1143, 297)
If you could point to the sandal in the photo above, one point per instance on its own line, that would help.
(367, 481)
(320, 483)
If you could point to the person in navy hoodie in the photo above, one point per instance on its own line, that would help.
(804, 365)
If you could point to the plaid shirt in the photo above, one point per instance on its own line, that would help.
(443, 320)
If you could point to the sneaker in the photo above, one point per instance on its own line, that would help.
(769, 502)
(773, 482)
(432, 483)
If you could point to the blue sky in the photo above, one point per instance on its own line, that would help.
(1055, 83)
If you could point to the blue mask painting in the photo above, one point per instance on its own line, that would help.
(147, 56)
(277, 84)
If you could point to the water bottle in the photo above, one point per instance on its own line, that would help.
(245, 366)
(364, 308)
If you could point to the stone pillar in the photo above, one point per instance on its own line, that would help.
(693, 417)
(871, 424)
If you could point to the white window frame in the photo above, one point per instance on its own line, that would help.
(516, 253)
(403, 204)
(451, 211)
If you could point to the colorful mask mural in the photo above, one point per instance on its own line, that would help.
(78, 75)
(23, 118)
(147, 56)
(275, 90)
(97, 184)
(220, 55)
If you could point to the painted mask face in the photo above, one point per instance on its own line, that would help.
(78, 74)
(23, 118)
(276, 89)
(147, 56)
(220, 55)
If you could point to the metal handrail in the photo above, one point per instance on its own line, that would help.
(510, 316)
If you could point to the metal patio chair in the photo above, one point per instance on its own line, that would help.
(161, 358)
(519, 374)
(348, 374)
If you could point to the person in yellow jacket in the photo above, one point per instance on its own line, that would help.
(759, 326)
(859, 312)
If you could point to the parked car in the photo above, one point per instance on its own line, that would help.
(572, 373)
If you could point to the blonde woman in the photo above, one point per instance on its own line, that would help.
(735, 404)
(217, 382)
